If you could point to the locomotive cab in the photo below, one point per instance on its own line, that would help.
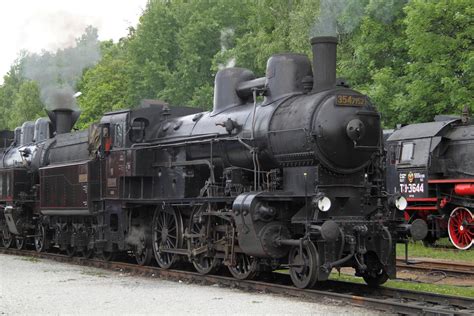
(426, 163)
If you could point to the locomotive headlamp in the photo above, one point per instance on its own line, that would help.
(401, 203)
(322, 202)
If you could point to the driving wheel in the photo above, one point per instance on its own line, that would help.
(304, 265)
(166, 235)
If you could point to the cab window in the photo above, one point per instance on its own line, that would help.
(138, 128)
(407, 152)
(118, 141)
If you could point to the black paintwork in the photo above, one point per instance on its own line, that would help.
(254, 169)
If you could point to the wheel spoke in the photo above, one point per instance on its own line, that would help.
(159, 224)
(167, 220)
(460, 218)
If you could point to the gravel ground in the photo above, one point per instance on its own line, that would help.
(39, 286)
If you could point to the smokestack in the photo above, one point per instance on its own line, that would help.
(63, 119)
(324, 62)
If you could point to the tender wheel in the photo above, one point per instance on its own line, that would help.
(87, 253)
(41, 239)
(304, 265)
(107, 255)
(20, 243)
(461, 228)
(375, 278)
(245, 267)
(143, 253)
(166, 234)
(70, 251)
(7, 238)
(201, 228)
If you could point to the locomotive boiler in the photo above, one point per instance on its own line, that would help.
(285, 171)
(432, 165)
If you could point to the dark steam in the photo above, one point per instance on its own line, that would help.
(57, 73)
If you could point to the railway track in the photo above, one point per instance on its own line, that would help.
(455, 269)
(383, 299)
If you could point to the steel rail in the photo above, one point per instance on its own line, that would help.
(384, 299)
(458, 269)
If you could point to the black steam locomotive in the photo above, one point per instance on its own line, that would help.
(285, 170)
(432, 164)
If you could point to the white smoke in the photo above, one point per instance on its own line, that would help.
(226, 38)
(135, 236)
(343, 16)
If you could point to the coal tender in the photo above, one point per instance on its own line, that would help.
(286, 171)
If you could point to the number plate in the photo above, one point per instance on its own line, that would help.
(350, 100)
(413, 184)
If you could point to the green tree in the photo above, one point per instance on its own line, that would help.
(8, 91)
(415, 59)
(105, 87)
(440, 73)
(272, 27)
(152, 50)
(27, 105)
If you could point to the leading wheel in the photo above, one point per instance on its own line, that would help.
(304, 265)
(375, 273)
(7, 238)
(245, 267)
(375, 278)
(166, 235)
(461, 228)
(203, 236)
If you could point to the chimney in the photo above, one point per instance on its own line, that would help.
(63, 119)
(324, 62)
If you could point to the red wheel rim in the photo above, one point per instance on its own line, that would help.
(461, 228)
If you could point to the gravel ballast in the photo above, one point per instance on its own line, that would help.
(38, 286)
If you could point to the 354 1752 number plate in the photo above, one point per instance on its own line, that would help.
(350, 100)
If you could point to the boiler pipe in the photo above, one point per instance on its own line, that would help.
(464, 189)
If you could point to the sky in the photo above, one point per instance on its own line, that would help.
(37, 25)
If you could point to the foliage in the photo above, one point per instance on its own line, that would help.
(8, 92)
(27, 105)
(439, 77)
(104, 87)
(415, 59)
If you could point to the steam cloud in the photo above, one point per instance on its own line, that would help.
(135, 236)
(343, 16)
(56, 73)
(227, 35)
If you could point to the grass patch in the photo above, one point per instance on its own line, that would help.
(406, 285)
(30, 259)
(418, 250)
